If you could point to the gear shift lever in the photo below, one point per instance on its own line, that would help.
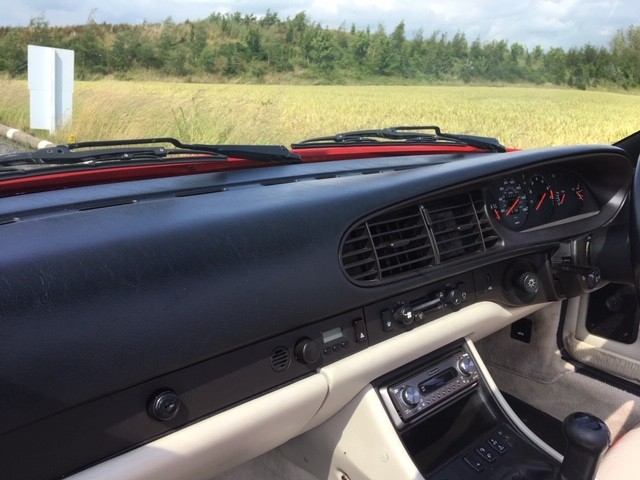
(587, 439)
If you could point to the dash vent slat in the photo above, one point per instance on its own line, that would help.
(398, 243)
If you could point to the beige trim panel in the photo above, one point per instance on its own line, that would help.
(358, 442)
(620, 359)
(349, 376)
(202, 450)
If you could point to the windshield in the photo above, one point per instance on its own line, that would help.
(531, 75)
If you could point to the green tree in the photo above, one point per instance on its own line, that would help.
(625, 52)
(555, 66)
(323, 52)
(198, 37)
(398, 58)
(13, 59)
(90, 54)
(270, 19)
(379, 52)
(253, 38)
(39, 32)
(360, 47)
(208, 59)
(234, 54)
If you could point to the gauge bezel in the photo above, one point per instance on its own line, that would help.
(564, 194)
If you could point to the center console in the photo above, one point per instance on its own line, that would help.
(453, 425)
(439, 417)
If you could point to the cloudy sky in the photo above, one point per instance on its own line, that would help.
(563, 23)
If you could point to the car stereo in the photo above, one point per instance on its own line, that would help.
(429, 388)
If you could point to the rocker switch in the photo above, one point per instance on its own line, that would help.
(360, 330)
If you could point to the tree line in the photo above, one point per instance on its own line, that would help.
(234, 46)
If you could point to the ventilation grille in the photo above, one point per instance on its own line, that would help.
(280, 359)
(455, 227)
(416, 237)
(489, 235)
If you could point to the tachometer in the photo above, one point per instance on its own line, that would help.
(511, 207)
(541, 197)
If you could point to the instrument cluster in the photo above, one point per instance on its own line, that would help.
(527, 200)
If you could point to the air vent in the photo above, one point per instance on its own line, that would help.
(358, 258)
(455, 227)
(416, 237)
(280, 359)
(489, 235)
(401, 242)
(388, 246)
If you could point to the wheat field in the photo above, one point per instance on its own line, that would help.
(523, 117)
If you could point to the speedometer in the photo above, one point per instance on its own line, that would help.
(511, 207)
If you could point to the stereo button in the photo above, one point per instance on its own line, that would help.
(486, 454)
(411, 396)
(466, 365)
(307, 351)
(474, 462)
(497, 446)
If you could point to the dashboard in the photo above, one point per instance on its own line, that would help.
(141, 310)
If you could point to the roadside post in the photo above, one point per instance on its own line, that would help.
(51, 72)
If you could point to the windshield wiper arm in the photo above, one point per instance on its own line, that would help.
(118, 151)
(409, 135)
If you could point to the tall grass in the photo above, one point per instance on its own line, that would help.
(519, 116)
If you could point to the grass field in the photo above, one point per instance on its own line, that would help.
(519, 116)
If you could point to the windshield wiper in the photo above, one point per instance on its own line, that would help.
(407, 135)
(120, 152)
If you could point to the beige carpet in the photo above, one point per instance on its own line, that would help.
(271, 465)
(536, 374)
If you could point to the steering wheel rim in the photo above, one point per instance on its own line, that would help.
(634, 228)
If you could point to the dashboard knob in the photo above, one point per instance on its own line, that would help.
(307, 351)
(528, 282)
(164, 405)
(455, 297)
(410, 396)
(403, 314)
(466, 365)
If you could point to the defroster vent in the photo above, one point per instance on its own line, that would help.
(416, 237)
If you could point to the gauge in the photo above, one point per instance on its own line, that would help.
(541, 198)
(571, 196)
(511, 207)
(560, 197)
(579, 191)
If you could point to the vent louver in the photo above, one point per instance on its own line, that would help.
(401, 242)
(415, 237)
(280, 359)
(455, 227)
(489, 235)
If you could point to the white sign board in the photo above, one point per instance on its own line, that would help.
(51, 72)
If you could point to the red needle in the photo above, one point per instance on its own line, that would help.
(513, 207)
(497, 214)
(580, 196)
(544, 195)
(564, 195)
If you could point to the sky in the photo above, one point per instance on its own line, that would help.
(548, 23)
